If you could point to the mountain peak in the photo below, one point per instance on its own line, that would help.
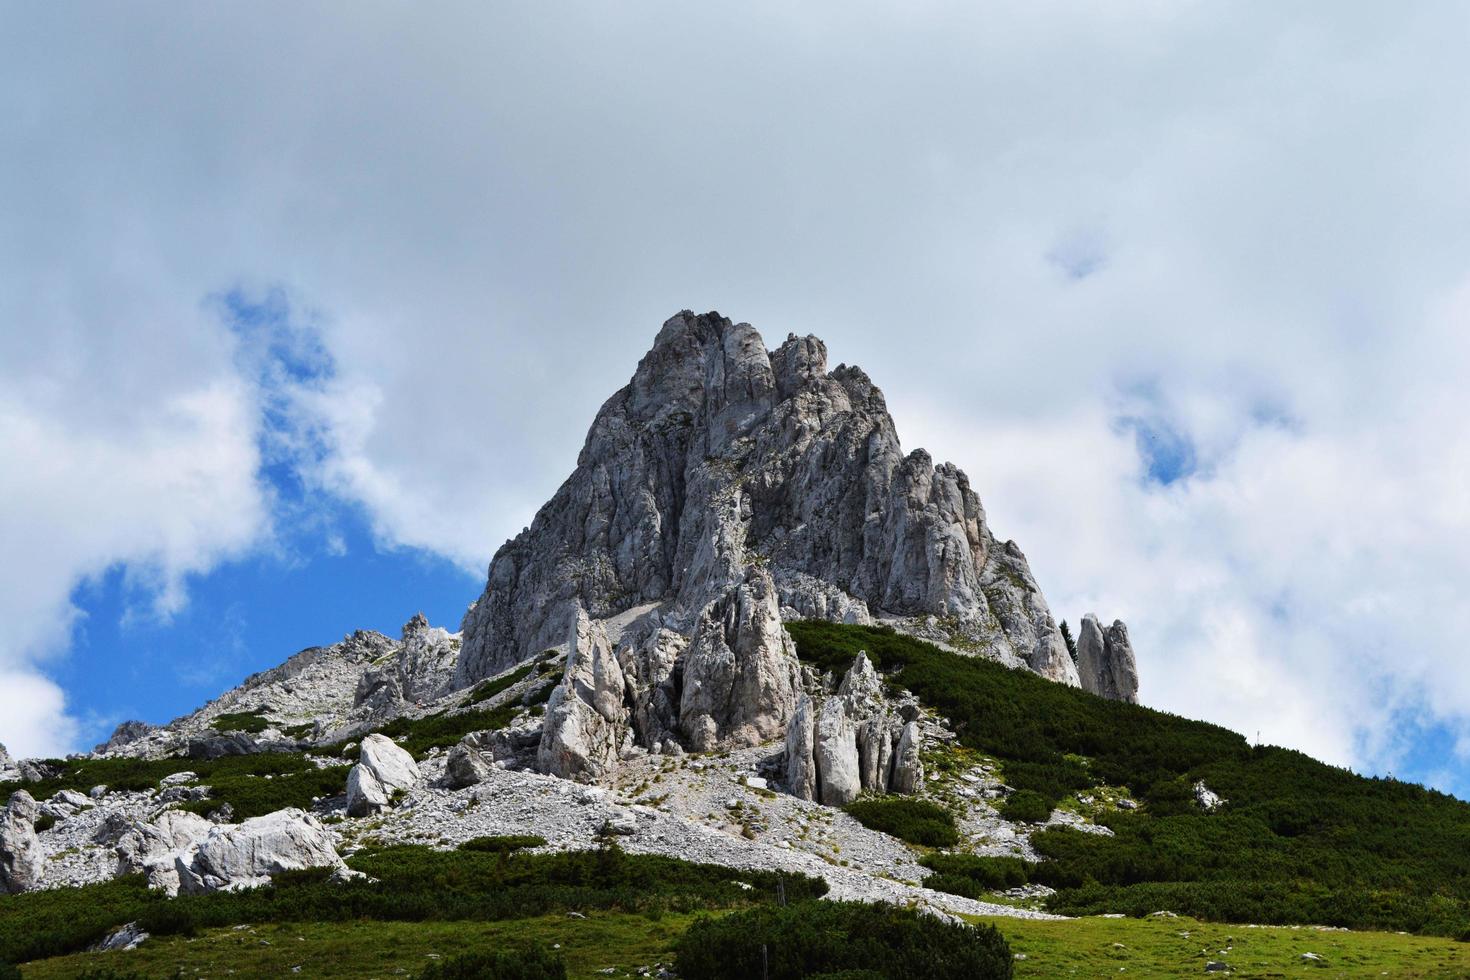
(722, 459)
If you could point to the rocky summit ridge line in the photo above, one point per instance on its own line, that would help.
(720, 458)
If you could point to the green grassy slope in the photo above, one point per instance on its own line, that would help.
(1298, 842)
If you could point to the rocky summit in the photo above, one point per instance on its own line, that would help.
(722, 463)
(725, 489)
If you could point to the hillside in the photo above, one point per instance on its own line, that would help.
(1295, 840)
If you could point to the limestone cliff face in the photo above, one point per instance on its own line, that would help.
(721, 458)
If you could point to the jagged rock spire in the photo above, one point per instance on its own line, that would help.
(1105, 660)
(720, 456)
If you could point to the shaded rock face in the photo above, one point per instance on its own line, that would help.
(1105, 660)
(842, 744)
(21, 859)
(720, 457)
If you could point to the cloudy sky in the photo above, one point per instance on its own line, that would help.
(304, 309)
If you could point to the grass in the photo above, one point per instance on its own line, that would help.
(619, 940)
(1299, 842)
(1170, 947)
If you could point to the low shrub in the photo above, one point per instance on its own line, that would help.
(503, 844)
(814, 938)
(535, 962)
(916, 821)
(1026, 806)
(983, 873)
(414, 884)
(240, 721)
(485, 690)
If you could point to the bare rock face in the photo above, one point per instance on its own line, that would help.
(721, 456)
(382, 770)
(245, 856)
(22, 862)
(1105, 660)
(586, 722)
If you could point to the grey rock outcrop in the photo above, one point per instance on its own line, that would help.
(246, 855)
(22, 862)
(1105, 660)
(125, 937)
(469, 762)
(586, 722)
(908, 770)
(801, 746)
(421, 670)
(125, 734)
(740, 671)
(720, 457)
(839, 778)
(382, 771)
(854, 740)
(217, 745)
(152, 847)
(5, 762)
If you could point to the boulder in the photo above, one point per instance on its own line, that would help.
(152, 847)
(585, 727)
(1105, 660)
(21, 861)
(1207, 798)
(217, 745)
(121, 939)
(470, 761)
(247, 854)
(382, 771)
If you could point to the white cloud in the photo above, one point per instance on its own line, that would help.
(495, 207)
